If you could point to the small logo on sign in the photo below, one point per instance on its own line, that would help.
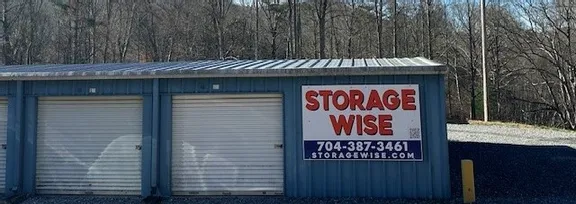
(414, 133)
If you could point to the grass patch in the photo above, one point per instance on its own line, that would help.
(518, 125)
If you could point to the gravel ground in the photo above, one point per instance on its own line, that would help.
(82, 199)
(515, 165)
(363, 201)
(511, 165)
(279, 200)
(511, 135)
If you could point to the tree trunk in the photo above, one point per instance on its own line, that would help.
(297, 29)
(92, 34)
(6, 27)
(219, 10)
(321, 11)
(128, 33)
(395, 30)
(170, 49)
(497, 66)
(422, 32)
(75, 28)
(322, 33)
(256, 40)
(428, 23)
(472, 69)
(31, 31)
(332, 36)
(315, 40)
(274, 36)
(378, 8)
(219, 35)
(351, 27)
(290, 48)
(107, 37)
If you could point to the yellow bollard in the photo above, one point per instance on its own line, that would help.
(469, 193)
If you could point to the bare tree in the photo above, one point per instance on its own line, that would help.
(273, 12)
(548, 52)
(321, 8)
(218, 10)
(379, 8)
(7, 27)
(472, 56)
(107, 23)
(429, 28)
(257, 30)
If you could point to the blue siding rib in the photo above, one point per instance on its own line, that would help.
(165, 147)
(18, 126)
(146, 146)
(6, 88)
(443, 169)
(420, 170)
(17, 138)
(290, 165)
(30, 131)
(12, 143)
(155, 133)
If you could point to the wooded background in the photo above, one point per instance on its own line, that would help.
(530, 55)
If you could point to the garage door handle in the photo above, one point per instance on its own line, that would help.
(278, 146)
(3, 146)
(138, 147)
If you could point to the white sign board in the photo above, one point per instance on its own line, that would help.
(361, 122)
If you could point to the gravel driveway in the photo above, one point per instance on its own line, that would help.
(511, 164)
(499, 134)
(515, 165)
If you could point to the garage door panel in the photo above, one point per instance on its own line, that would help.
(92, 149)
(114, 167)
(227, 143)
(225, 175)
(246, 173)
(226, 120)
(186, 144)
(84, 125)
(88, 144)
(214, 188)
(3, 138)
(225, 186)
(234, 149)
(237, 131)
(74, 189)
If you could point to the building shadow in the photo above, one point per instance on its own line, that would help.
(504, 170)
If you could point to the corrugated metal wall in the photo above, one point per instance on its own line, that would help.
(429, 178)
(23, 108)
(3, 132)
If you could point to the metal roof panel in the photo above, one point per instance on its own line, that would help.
(224, 68)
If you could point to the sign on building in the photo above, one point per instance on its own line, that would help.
(361, 122)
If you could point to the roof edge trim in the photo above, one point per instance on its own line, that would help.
(404, 70)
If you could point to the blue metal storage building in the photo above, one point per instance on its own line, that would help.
(37, 98)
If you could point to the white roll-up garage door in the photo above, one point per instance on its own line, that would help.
(3, 133)
(89, 145)
(227, 144)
